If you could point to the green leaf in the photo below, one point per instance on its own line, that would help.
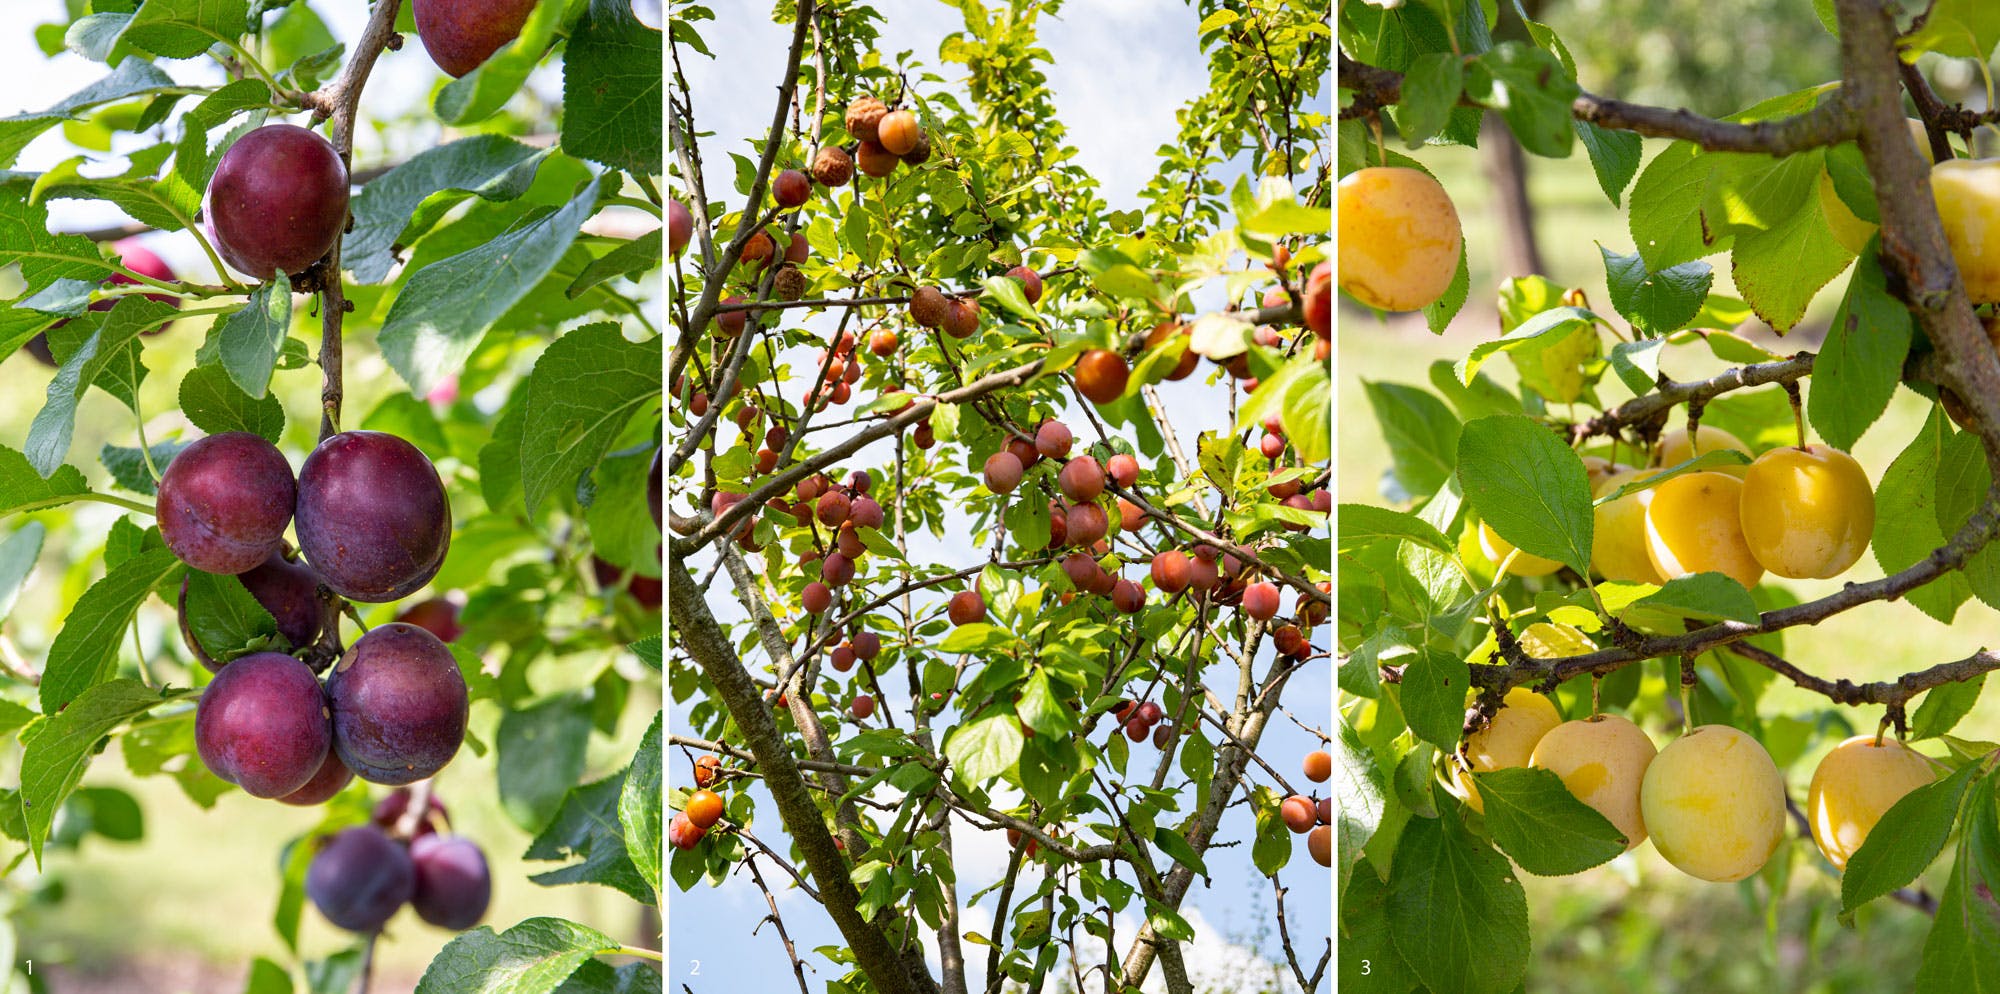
(399, 206)
(23, 489)
(226, 621)
(1905, 842)
(1529, 487)
(1614, 156)
(1041, 709)
(1431, 88)
(108, 358)
(128, 466)
(541, 755)
(1780, 269)
(1703, 597)
(1861, 362)
(1538, 822)
(445, 308)
(1656, 302)
(1456, 912)
(530, 958)
(57, 750)
(612, 90)
(133, 77)
(1368, 958)
(639, 806)
(85, 652)
(1175, 845)
(1944, 706)
(588, 828)
(1361, 524)
(1422, 434)
(1531, 90)
(629, 259)
(248, 341)
(1958, 28)
(17, 559)
(584, 390)
(1906, 519)
(1962, 952)
(1434, 687)
(1666, 212)
(184, 29)
(981, 751)
(267, 977)
(215, 404)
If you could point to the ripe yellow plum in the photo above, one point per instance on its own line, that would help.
(1497, 548)
(1399, 238)
(1968, 202)
(1676, 449)
(1693, 526)
(1602, 760)
(1618, 548)
(1807, 512)
(1714, 804)
(1507, 741)
(1854, 785)
(1850, 231)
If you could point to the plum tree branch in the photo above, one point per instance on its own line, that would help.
(1670, 394)
(1894, 693)
(709, 645)
(1830, 123)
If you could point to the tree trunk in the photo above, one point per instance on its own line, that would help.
(1507, 171)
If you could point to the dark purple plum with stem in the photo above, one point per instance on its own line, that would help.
(359, 878)
(461, 34)
(277, 201)
(224, 502)
(332, 778)
(262, 724)
(389, 810)
(289, 590)
(372, 516)
(399, 705)
(453, 885)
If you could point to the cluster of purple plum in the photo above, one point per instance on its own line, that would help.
(373, 525)
(362, 876)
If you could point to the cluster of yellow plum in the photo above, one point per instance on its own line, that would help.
(1712, 801)
(1803, 512)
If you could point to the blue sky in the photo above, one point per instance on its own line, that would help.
(1121, 70)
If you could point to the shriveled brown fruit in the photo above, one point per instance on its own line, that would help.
(789, 283)
(832, 167)
(863, 114)
(929, 307)
(922, 153)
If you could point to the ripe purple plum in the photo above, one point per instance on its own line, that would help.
(359, 878)
(262, 724)
(399, 705)
(453, 886)
(224, 502)
(461, 34)
(438, 616)
(277, 201)
(332, 778)
(372, 516)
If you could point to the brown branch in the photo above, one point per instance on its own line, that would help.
(1642, 409)
(1830, 123)
(1893, 693)
(341, 100)
(704, 640)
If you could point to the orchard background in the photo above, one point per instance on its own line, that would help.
(156, 875)
(1129, 153)
(1636, 922)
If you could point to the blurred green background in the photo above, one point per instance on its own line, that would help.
(1637, 924)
